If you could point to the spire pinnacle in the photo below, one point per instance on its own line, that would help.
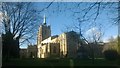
(44, 21)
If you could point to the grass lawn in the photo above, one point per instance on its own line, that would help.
(59, 62)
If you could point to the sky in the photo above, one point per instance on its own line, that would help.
(59, 16)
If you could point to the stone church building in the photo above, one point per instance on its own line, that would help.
(65, 45)
(58, 46)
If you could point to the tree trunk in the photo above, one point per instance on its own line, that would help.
(10, 47)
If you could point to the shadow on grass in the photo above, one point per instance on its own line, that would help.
(53, 63)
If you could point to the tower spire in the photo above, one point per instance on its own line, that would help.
(44, 21)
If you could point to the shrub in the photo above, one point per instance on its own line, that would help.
(111, 54)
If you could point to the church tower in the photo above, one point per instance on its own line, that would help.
(44, 31)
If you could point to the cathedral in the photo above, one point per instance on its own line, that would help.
(58, 46)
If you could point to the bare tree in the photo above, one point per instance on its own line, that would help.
(88, 15)
(20, 22)
(21, 19)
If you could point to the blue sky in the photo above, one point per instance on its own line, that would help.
(59, 20)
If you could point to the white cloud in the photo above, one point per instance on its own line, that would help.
(106, 39)
(92, 31)
(115, 36)
(93, 34)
